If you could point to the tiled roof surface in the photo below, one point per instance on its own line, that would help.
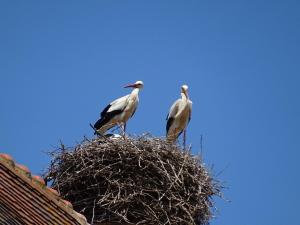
(25, 199)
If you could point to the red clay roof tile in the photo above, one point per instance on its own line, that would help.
(39, 181)
(25, 200)
(23, 170)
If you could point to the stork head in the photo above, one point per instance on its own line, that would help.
(139, 84)
(184, 90)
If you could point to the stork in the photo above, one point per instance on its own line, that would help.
(119, 111)
(179, 116)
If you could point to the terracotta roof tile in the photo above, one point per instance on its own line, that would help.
(25, 199)
(39, 181)
(23, 170)
(67, 203)
(7, 159)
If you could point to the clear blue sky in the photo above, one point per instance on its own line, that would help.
(63, 61)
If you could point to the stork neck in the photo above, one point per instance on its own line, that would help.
(184, 96)
(135, 91)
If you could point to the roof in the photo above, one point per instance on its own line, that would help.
(25, 199)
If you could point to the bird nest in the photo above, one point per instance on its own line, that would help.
(140, 180)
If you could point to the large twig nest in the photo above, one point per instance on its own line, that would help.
(141, 180)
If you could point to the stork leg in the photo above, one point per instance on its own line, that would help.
(122, 128)
(125, 127)
(184, 139)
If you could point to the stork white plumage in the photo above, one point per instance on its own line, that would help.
(179, 116)
(119, 111)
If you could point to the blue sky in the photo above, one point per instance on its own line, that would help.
(63, 61)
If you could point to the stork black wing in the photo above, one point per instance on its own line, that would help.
(133, 112)
(105, 110)
(106, 117)
(169, 123)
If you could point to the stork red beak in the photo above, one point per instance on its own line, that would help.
(130, 86)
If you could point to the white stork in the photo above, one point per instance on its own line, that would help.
(119, 111)
(179, 116)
